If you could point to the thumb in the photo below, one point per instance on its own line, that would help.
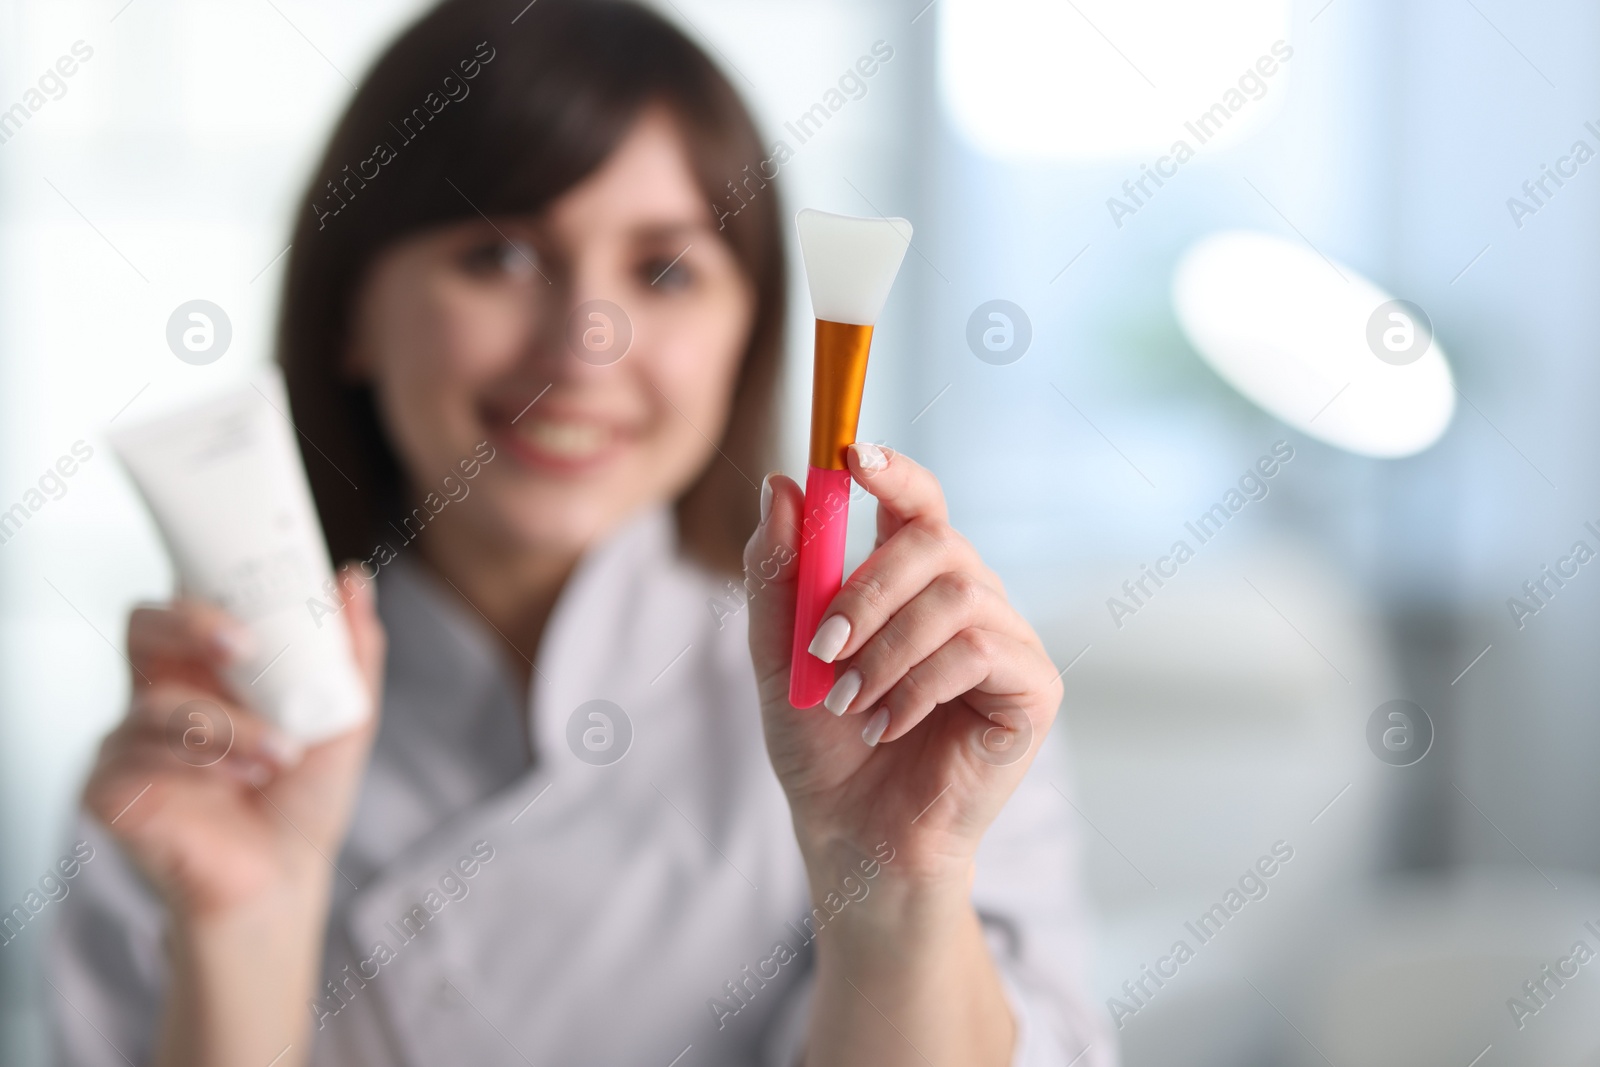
(771, 564)
(367, 639)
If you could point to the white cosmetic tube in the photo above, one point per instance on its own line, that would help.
(227, 488)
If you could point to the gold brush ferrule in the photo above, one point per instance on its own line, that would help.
(838, 375)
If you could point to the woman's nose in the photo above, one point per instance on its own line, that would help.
(598, 332)
(580, 324)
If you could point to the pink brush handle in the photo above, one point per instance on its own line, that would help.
(822, 531)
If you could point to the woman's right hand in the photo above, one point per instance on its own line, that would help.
(215, 835)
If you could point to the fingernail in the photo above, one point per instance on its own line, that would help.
(766, 498)
(875, 727)
(830, 638)
(870, 456)
(234, 642)
(285, 750)
(843, 691)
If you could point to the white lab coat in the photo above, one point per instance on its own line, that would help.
(608, 907)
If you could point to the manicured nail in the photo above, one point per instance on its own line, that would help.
(284, 750)
(875, 727)
(870, 456)
(236, 643)
(843, 691)
(766, 498)
(830, 638)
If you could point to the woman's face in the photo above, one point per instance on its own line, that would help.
(483, 331)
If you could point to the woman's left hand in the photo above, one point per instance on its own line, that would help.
(943, 696)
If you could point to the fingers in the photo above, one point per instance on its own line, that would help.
(915, 544)
(178, 732)
(896, 572)
(905, 490)
(190, 639)
(951, 603)
(768, 591)
(199, 730)
(995, 664)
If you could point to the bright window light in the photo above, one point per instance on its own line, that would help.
(1101, 79)
(1315, 344)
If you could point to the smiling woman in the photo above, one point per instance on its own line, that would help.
(589, 443)
(540, 280)
(471, 210)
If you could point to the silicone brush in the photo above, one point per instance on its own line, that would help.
(850, 265)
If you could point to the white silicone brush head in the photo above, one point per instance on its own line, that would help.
(850, 263)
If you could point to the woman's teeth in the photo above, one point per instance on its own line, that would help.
(569, 440)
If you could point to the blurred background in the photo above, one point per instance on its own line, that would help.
(1226, 717)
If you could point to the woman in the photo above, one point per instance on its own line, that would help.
(561, 841)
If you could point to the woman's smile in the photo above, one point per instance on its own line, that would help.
(562, 443)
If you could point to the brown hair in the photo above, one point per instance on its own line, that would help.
(478, 108)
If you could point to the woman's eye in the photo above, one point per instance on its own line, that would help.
(500, 256)
(667, 274)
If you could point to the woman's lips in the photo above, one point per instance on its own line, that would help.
(557, 443)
